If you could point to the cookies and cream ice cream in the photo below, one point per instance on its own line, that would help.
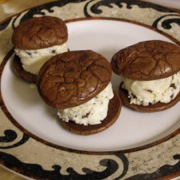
(35, 41)
(77, 84)
(32, 60)
(153, 91)
(91, 112)
(150, 71)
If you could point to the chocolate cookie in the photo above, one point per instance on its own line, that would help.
(73, 78)
(36, 34)
(40, 32)
(144, 62)
(147, 60)
(18, 69)
(113, 113)
(150, 108)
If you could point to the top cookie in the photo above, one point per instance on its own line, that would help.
(148, 60)
(73, 78)
(40, 32)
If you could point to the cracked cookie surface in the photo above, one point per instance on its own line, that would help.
(73, 78)
(148, 60)
(40, 32)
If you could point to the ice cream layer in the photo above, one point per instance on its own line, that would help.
(91, 112)
(151, 92)
(32, 60)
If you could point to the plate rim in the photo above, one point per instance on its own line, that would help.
(46, 142)
(111, 152)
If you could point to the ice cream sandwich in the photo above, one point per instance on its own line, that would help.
(36, 40)
(77, 84)
(150, 74)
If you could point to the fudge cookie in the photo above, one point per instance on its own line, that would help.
(77, 84)
(36, 40)
(150, 73)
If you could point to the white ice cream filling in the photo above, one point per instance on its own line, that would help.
(32, 60)
(150, 92)
(90, 113)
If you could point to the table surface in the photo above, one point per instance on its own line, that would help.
(11, 7)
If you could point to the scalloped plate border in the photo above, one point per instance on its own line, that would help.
(149, 161)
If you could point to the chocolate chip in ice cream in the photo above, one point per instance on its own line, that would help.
(36, 40)
(150, 72)
(74, 81)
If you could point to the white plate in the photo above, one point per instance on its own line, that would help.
(137, 146)
(132, 129)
